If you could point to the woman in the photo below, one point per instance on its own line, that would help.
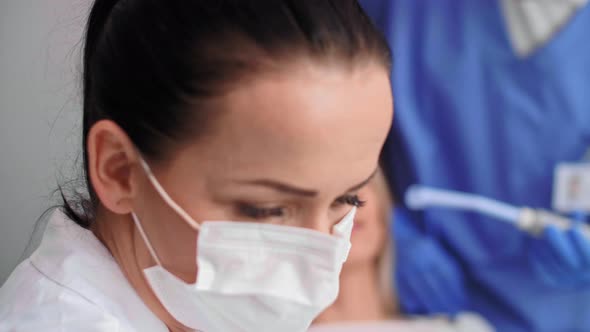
(366, 301)
(224, 146)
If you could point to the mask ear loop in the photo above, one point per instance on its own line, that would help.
(162, 192)
(146, 240)
(164, 195)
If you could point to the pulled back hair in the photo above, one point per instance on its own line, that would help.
(151, 66)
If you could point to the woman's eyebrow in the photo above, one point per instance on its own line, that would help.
(281, 187)
(294, 190)
(364, 183)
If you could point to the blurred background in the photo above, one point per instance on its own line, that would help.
(40, 44)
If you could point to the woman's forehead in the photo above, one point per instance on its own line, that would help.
(309, 109)
(315, 124)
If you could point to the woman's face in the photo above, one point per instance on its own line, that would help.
(292, 148)
(370, 226)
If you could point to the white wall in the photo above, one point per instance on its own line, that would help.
(40, 112)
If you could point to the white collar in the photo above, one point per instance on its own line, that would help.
(74, 258)
(532, 23)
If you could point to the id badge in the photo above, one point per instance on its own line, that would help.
(571, 187)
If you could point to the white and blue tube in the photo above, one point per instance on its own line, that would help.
(533, 221)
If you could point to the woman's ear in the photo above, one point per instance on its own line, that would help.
(112, 157)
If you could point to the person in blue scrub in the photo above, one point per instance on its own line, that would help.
(482, 109)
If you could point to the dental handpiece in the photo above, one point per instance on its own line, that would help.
(530, 220)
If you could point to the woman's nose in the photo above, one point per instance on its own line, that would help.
(322, 223)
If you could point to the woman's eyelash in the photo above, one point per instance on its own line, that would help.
(252, 211)
(353, 200)
(255, 212)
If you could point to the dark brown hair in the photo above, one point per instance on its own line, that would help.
(151, 65)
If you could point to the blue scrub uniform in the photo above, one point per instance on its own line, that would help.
(472, 116)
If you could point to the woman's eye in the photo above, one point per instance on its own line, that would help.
(353, 200)
(255, 212)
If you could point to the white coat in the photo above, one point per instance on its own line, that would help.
(72, 283)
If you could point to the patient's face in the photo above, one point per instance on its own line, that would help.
(370, 227)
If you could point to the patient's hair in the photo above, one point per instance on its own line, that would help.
(154, 66)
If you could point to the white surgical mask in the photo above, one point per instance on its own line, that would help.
(252, 277)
